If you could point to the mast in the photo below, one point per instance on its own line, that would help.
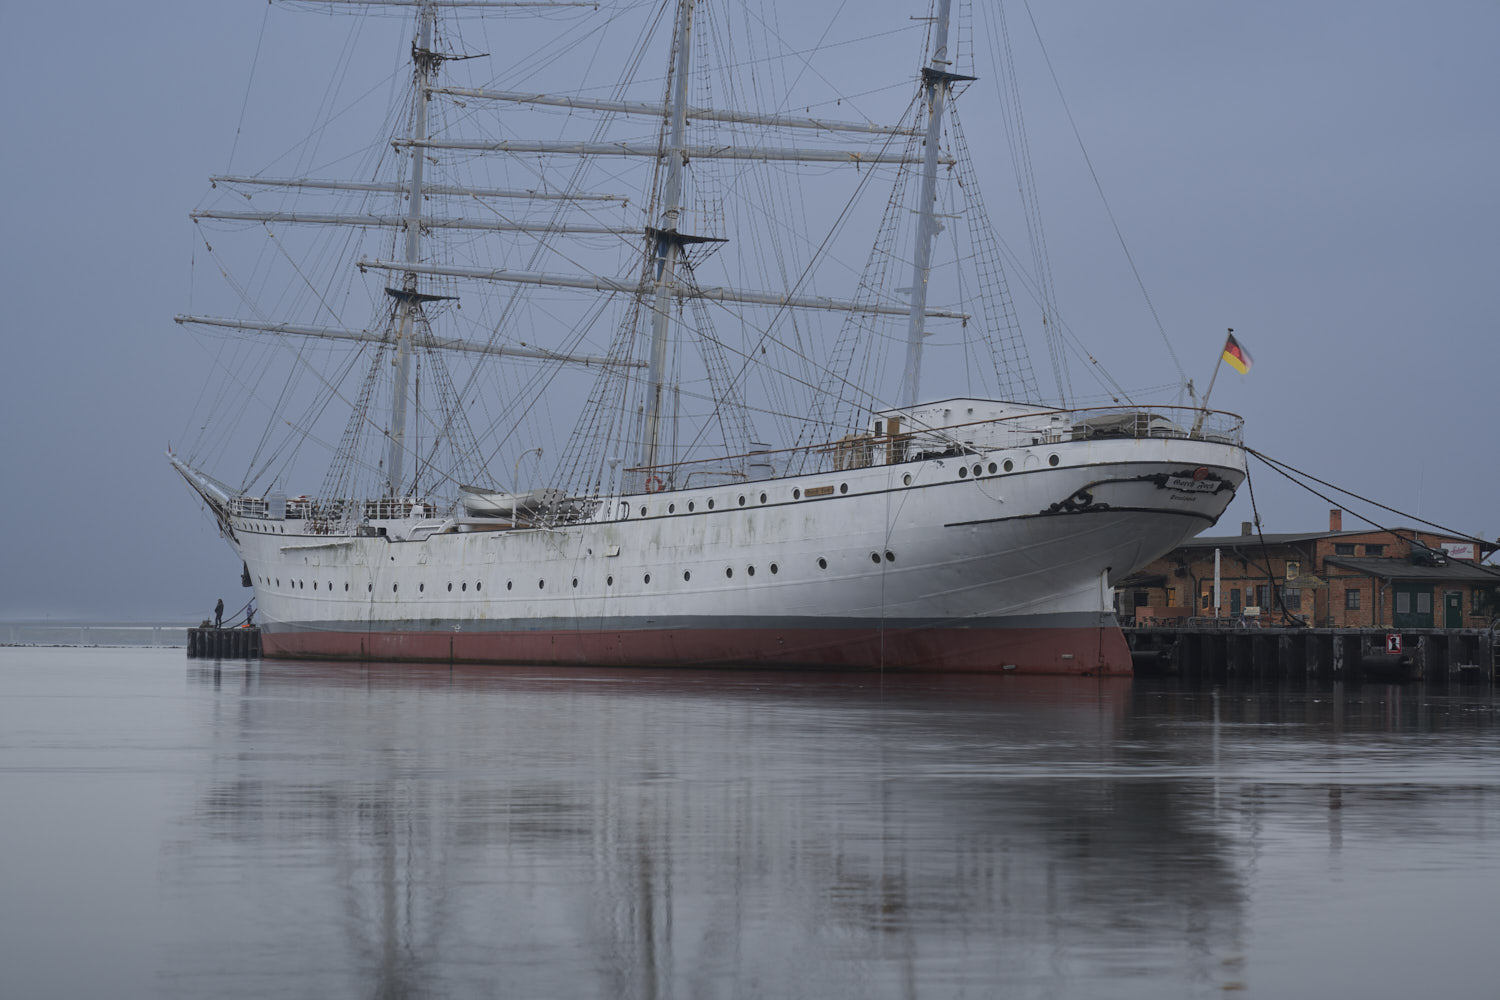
(668, 239)
(409, 310)
(937, 81)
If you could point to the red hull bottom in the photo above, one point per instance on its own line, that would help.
(1091, 651)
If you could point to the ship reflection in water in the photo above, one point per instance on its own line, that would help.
(407, 831)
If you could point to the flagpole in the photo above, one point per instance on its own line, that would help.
(1203, 413)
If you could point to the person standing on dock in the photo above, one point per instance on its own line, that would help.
(219, 614)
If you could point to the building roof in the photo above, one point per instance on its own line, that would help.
(1456, 571)
(1293, 537)
(1282, 538)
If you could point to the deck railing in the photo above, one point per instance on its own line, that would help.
(861, 450)
(1033, 428)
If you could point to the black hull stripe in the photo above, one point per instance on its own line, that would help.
(1078, 513)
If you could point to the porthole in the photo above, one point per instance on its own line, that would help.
(421, 588)
(875, 558)
(609, 581)
(315, 585)
(775, 568)
(728, 571)
(648, 577)
(278, 581)
(541, 585)
(1053, 460)
(394, 586)
(978, 469)
(330, 584)
(687, 574)
(822, 563)
(906, 479)
(963, 472)
(710, 505)
(508, 584)
(690, 506)
(890, 556)
(478, 584)
(993, 468)
(575, 583)
(346, 586)
(762, 498)
(796, 494)
(843, 487)
(465, 585)
(1008, 465)
(643, 510)
(742, 500)
(750, 570)
(450, 588)
(671, 508)
(369, 588)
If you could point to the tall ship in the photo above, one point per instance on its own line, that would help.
(629, 334)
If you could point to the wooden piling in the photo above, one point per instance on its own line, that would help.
(1209, 647)
(224, 643)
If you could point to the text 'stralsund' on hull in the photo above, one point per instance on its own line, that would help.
(937, 512)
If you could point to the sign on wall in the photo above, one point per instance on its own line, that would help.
(1459, 550)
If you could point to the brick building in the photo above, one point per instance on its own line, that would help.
(1362, 578)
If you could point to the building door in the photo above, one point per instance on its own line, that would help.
(1413, 606)
(1234, 600)
(1453, 609)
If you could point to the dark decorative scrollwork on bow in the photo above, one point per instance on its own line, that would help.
(1079, 502)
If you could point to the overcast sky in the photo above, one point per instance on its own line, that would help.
(1319, 176)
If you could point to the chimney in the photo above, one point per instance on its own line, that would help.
(1335, 520)
(1245, 527)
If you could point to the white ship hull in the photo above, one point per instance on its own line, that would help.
(917, 565)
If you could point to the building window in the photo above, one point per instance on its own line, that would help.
(1263, 597)
(1351, 599)
(1343, 548)
(1374, 550)
(1171, 597)
(1292, 598)
(1293, 570)
(1207, 597)
(1140, 599)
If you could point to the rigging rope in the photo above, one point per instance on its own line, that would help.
(1098, 186)
(1285, 470)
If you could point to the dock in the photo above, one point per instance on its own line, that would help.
(224, 643)
(1219, 647)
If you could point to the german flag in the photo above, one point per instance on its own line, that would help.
(1237, 356)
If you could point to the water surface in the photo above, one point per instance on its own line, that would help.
(182, 828)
